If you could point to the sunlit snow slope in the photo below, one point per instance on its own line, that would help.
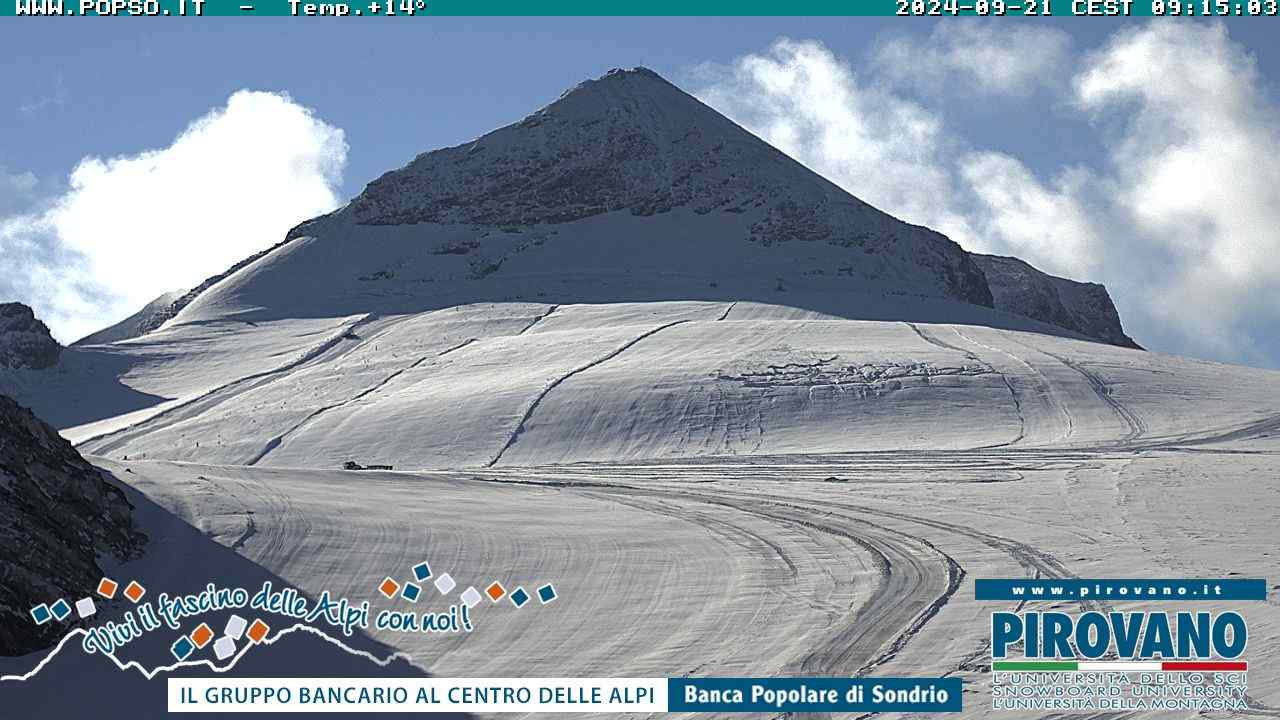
(624, 274)
(525, 383)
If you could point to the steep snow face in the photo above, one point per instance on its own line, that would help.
(626, 188)
(633, 142)
(57, 515)
(151, 316)
(25, 342)
(1084, 307)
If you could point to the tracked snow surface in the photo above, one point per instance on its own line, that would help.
(748, 424)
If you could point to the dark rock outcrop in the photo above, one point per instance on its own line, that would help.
(57, 516)
(25, 342)
(1086, 308)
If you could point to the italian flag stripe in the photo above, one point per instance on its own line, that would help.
(1117, 665)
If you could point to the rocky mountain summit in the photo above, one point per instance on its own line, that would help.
(25, 342)
(1083, 307)
(57, 517)
(624, 189)
(632, 143)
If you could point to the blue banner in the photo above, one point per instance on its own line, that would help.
(927, 695)
(1122, 589)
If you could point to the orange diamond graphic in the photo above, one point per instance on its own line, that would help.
(389, 588)
(201, 635)
(135, 591)
(258, 630)
(107, 588)
(495, 591)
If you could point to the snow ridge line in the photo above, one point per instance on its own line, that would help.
(275, 442)
(338, 336)
(151, 674)
(533, 406)
(939, 343)
(540, 318)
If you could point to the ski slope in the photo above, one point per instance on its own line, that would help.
(816, 565)
(531, 384)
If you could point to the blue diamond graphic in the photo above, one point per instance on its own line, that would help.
(546, 593)
(519, 597)
(60, 609)
(411, 592)
(182, 648)
(422, 571)
(41, 614)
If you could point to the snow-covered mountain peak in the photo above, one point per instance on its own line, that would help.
(626, 141)
(639, 85)
(642, 170)
(624, 189)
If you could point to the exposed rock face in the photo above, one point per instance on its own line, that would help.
(631, 141)
(1083, 307)
(57, 516)
(25, 342)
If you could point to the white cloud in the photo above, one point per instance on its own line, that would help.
(132, 227)
(1049, 226)
(1197, 177)
(1181, 221)
(884, 149)
(978, 58)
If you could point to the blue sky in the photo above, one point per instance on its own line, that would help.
(1025, 116)
(413, 85)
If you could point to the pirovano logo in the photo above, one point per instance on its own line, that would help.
(1107, 658)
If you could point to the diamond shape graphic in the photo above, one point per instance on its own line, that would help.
(182, 648)
(445, 584)
(495, 591)
(389, 588)
(519, 597)
(235, 627)
(470, 597)
(202, 635)
(107, 588)
(85, 607)
(40, 614)
(224, 648)
(422, 572)
(258, 630)
(411, 592)
(60, 609)
(546, 593)
(135, 591)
